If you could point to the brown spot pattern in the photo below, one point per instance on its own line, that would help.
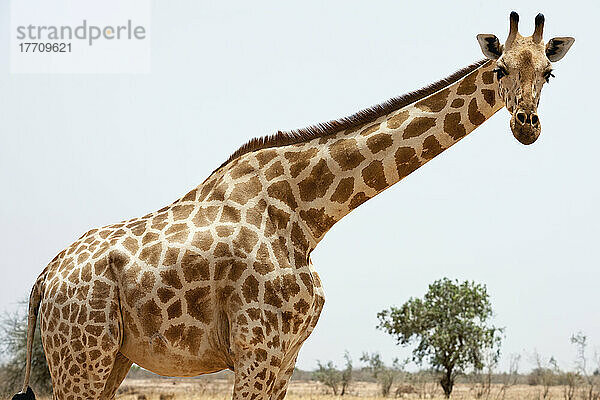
(191, 339)
(457, 103)
(174, 310)
(241, 169)
(346, 153)
(283, 191)
(379, 142)
(370, 129)
(489, 96)
(195, 267)
(222, 250)
(289, 286)
(246, 239)
(230, 214)
(317, 221)
(131, 244)
(279, 219)
(150, 317)
(182, 212)
(299, 160)
(271, 295)
(205, 216)
(177, 233)
(198, 304)
(244, 191)
(171, 256)
(218, 193)
(151, 255)
(343, 190)
(418, 126)
(453, 127)
(147, 281)
(203, 240)
(224, 230)
(397, 120)
(170, 278)
(358, 199)
(475, 116)
(298, 238)
(274, 171)
(316, 184)
(264, 156)
(255, 214)
(374, 176)
(467, 85)
(431, 148)
(406, 161)
(488, 77)
(250, 289)
(434, 103)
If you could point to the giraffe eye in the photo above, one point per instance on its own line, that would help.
(547, 75)
(501, 72)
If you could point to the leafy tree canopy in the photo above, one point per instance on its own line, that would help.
(450, 326)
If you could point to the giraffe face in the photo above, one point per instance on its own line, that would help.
(523, 66)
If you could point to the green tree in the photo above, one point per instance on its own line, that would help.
(450, 327)
(13, 348)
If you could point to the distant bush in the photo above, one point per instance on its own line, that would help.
(385, 376)
(347, 375)
(543, 376)
(13, 347)
(328, 375)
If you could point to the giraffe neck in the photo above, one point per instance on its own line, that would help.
(334, 174)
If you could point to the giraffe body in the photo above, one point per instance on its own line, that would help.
(184, 291)
(222, 278)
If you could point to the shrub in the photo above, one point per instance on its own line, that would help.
(13, 347)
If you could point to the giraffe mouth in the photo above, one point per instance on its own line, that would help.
(525, 126)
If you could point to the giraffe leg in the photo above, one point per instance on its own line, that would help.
(256, 354)
(287, 369)
(283, 379)
(289, 361)
(82, 339)
(78, 377)
(254, 378)
(117, 374)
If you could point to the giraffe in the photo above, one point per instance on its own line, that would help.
(222, 278)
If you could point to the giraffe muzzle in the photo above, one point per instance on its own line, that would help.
(525, 126)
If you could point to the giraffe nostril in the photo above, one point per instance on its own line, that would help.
(521, 117)
(534, 119)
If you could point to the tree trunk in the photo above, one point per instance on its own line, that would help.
(447, 383)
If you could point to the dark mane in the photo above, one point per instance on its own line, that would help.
(284, 138)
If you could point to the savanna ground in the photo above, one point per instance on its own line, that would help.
(220, 389)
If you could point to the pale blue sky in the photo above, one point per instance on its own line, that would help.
(80, 151)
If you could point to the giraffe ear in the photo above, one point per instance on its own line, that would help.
(490, 45)
(558, 47)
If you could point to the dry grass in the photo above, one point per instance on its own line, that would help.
(220, 389)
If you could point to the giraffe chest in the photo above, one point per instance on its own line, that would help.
(189, 315)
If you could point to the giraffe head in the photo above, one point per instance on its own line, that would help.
(523, 65)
